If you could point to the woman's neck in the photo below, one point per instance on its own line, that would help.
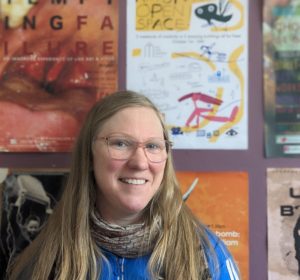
(120, 220)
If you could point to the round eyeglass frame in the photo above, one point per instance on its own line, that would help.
(168, 146)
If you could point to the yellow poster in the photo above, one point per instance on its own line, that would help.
(190, 58)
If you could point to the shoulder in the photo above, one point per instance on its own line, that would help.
(220, 260)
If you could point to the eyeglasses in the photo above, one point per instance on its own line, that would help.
(123, 147)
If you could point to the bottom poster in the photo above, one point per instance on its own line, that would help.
(27, 198)
(220, 200)
(283, 223)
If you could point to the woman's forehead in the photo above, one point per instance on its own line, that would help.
(134, 121)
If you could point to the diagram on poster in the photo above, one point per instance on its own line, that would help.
(190, 59)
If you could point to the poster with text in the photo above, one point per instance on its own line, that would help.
(220, 200)
(27, 199)
(190, 57)
(283, 223)
(281, 39)
(57, 58)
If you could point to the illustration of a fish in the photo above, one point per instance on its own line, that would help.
(211, 12)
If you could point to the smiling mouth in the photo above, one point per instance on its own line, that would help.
(133, 181)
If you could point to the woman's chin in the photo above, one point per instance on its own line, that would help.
(134, 208)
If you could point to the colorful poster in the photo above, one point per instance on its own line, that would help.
(220, 200)
(190, 57)
(56, 59)
(283, 223)
(27, 198)
(281, 38)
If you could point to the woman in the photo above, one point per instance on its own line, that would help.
(122, 215)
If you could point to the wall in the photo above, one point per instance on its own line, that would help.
(251, 160)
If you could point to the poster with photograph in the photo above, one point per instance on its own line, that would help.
(283, 186)
(190, 57)
(281, 22)
(220, 200)
(57, 58)
(27, 199)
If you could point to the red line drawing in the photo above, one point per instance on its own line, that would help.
(199, 112)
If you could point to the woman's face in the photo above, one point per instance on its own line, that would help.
(125, 187)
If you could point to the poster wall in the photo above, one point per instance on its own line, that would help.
(281, 39)
(191, 57)
(56, 59)
(220, 200)
(283, 187)
(27, 199)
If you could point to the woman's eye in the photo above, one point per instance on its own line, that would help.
(153, 146)
(120, 143)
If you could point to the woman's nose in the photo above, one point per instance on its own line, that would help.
(138, 159)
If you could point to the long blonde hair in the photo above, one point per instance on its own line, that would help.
(65, 249)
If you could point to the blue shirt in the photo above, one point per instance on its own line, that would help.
(119, 268)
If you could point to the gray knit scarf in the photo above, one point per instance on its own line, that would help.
(128, 241)
(125, 241)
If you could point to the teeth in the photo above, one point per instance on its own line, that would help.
(134, 181)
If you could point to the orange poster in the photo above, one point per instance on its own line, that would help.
(57, 58)
(220, 200)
